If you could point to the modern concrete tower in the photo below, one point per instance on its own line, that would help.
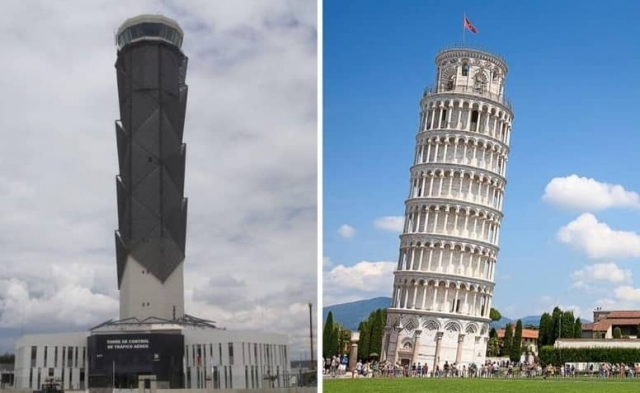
(152, 210)
(444, 281)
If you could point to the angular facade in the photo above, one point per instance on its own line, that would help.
(152, 210)
(444, 281)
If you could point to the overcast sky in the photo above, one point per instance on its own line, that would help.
(251, 163)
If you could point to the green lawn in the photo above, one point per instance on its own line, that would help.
(497, 385)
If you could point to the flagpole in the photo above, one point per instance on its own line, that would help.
(464, 20)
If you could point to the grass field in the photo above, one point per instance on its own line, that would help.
(497, 385)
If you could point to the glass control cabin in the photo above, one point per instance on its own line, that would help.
(149, 27)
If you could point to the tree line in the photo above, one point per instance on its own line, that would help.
(558, 324)
(511, 344)
(335, 338)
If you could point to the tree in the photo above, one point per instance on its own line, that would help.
(365, 335)
(493, 346)
(377, 331)
(7, 358)
(507, 342)
(545, 332)
(516, 345)
(371, 334)
(617, 333)
(556, 327)
(493, 333)
(577, 328)
(495, 315)
(329, 345)
(568, 325)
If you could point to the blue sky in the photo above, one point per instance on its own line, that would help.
(573, 81)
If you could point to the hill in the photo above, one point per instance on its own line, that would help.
(351, 314)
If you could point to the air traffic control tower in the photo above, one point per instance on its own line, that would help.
(154, 342)
(152, 210)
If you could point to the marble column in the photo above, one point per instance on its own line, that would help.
(397, 349)
(436, 356)
(353, 356)
(416, 347)
(459, 351)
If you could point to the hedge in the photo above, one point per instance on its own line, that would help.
(558, 356)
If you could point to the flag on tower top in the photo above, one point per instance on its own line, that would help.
(469, 26)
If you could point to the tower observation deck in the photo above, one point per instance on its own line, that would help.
(152, 211)
(444, 280)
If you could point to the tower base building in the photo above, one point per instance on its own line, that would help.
(444, 280)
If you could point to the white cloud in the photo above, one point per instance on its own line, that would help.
(615, 304)
(346, 231)
(251, 160)
(598, 240)
(627, 293)
(587, 194)
(600, 272)
(361, 281)
(547, 303)
(390, 223)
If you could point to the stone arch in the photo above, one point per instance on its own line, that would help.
(471, 328)
(452, 326)
(448, 73)
(407, 344)
(410, 324)
(431, 324)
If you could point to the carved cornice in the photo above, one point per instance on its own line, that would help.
(438, 314)
(471, 97)
(425, 166)
(434, 237)
(453, 278)
(460, 134)
(452, 203)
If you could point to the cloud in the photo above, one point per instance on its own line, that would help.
(599, 273)
(390, 223)
(587, 194)
(251, 170)
(618, 303)
(627, 293)
(598, 240)
(346, 231)
(547, 303)
(361, 281)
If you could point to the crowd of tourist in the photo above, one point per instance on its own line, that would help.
(338, 366)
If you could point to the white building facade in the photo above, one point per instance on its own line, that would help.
(61, 356)
(213, 359)
(444, 280)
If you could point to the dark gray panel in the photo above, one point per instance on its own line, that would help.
(169, 69)
(177, 224)
(175, 165)
(143, 104)
(142, 163)
(123, 209)
(170, 141)
(121, 257)
(151, 155)
(123, 150)
(144, 69)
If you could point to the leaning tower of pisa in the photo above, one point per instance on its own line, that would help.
(444, 281)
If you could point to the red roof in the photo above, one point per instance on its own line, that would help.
(526, 333)
(623, 315)
(600, 326)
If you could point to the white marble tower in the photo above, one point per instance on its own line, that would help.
(444, 281)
